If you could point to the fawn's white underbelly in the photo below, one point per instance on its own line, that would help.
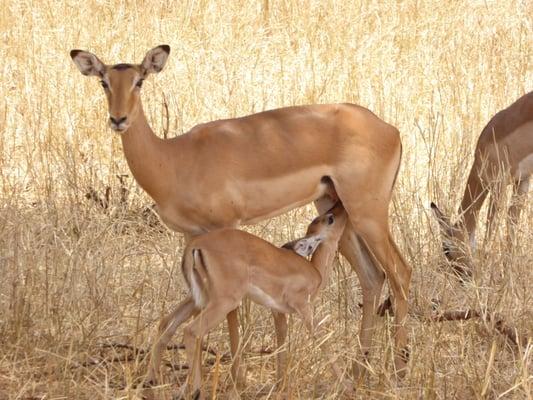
(259, 296)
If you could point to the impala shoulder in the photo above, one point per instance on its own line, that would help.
(214, 129)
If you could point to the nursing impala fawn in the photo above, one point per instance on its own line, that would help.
(504, 150)
(243, 170)
(224, 266)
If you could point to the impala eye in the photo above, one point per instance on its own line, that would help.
(104, 84)
(139, 83)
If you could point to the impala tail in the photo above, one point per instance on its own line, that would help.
(195, 273)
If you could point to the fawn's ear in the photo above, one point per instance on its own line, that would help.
(444, 221)
(88, 63)
(155, 59)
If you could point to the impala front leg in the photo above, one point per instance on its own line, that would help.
(236, 373)
(495, 202)
(518, 200)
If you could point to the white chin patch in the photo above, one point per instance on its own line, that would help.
(119, 130)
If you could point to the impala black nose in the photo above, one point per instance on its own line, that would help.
(117, 121)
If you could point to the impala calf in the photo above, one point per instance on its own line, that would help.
(186, 309)
(504, 149)
(224, 266)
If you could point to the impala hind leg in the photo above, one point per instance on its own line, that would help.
(213, 314)
(167, 328)
(371, 279)
(380, 245)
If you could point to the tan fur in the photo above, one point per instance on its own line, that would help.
(235, 264)
(504, 150)
(243, 170)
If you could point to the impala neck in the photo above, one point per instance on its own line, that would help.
(146, 157)
(473, 198)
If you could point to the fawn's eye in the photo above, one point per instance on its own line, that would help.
(139, 83)
(104, 84)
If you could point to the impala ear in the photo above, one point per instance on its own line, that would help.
(444, 221)
(155, 59)
(88, 63)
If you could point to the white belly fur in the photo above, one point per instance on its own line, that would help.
(291, 191)
(259, 296)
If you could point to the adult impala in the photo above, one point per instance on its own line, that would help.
(504, 149)
(244, 170)
(223, 266)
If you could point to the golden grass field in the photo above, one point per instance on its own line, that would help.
(78, 280)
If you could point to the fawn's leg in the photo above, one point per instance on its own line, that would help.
(280, 324)
(236, 373)
(304, 309)
(167, 328)
(209, 317)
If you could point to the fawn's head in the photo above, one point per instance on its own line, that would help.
(326, 227)
(121, 82)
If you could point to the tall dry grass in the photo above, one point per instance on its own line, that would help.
(76, 277)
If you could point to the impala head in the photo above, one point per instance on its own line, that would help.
(328, 226)
(121, 82)
(454, 243)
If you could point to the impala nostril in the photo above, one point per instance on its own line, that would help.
(117, 121)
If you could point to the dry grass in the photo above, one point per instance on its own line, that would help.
(75, 277)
